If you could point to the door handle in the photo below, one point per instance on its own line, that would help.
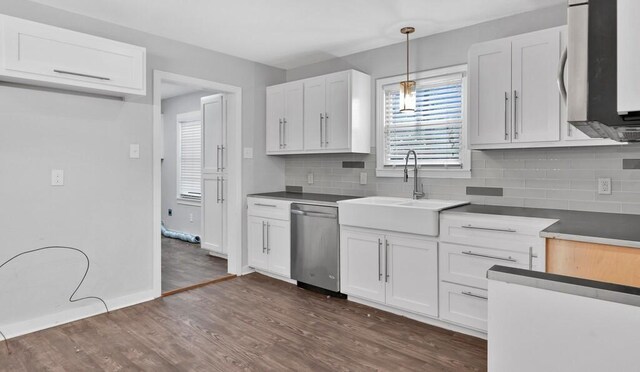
(280, 132)
(314, 214)
(221, 157)
(510, 259)
(81, 75)
(221, 190)
(218, 158)
(284, 133)
(515, 114)
(561, 68)
(379, 259)
(217, 190)
(487, 228)
(326, 129)
(321, 131)
(263, 246)
(265, 205)
(386, 261)
(268, 248)
(506, 115)
(531, 257)
(474, 295)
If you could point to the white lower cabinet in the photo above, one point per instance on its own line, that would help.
(269, 236)
(397, 270)
(464, 305)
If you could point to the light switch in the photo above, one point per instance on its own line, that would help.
(248, 152)
(57, 177)
(134, 151)
(363, 178)
(310, 178)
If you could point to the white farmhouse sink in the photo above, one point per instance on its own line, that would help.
(395, 214)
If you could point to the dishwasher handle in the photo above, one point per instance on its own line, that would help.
(314, 214)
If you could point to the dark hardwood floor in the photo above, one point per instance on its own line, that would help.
(247, 323)
(186, 264)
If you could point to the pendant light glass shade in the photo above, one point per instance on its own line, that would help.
(407, 87)
(408, 96)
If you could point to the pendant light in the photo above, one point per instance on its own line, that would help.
(407, 87)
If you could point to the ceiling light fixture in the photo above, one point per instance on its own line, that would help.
(407, 87)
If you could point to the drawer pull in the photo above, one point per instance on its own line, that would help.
(474, 295)
(81, 75)
(265, 205)
(510, 259)
(487, 228)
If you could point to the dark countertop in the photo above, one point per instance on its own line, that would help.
(590, 227)
(304, 197)
(566, 284)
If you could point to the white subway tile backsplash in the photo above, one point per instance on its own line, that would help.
(563, 178)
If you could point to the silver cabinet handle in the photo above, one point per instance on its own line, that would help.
(81, 75)
(515, 114)
(218, 158)
(221, 157)
(561, 67)
(386, 261)
(379, 259)
(487, 228)
(506, 115)
(321, 130)
(284, 133)
(280, 132)
(510, 259)
(217, 190)
(531, 257)
(268, 248)
(314, 214)
(326, 129)
(263, 246)
(474, 295)
(221, 190)
(265, 205)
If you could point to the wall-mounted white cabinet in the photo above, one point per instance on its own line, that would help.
(393, 269)
(514, 101)
(40, 54)
(324, 114)
(269, 236)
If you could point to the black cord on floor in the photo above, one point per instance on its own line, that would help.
(71, 299)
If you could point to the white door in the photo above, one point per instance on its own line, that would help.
(336, 126)
(213, 211)
(535, 96)
(314, 110)
(362, 264)
(292, 124)
(490, 93)
(214, 133)
(412, 274)
(278, 242)
(256, 243)
(275, 115)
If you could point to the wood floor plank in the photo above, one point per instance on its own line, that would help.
(250, 323)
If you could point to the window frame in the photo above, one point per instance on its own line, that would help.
(183, 118)
(383, 170)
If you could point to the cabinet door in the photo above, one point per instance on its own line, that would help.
(314, 110)
(213, 211)
(362, 264)
(490, 93)
(275, 114)
(464, 305)
(336, 126)
(412, 274)
(213, 133)
(535, 96)
(256, 242)
(292, 127)
(278, 242)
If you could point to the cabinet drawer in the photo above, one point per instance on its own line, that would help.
(516, 234)
(468, 265)
(463, 305)
(54, 55)
(269, 208)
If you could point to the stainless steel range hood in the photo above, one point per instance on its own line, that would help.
(603, 88)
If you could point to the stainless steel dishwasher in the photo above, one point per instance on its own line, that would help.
(315, 246)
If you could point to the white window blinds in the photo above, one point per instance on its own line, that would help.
(434, 130)
(190, 158)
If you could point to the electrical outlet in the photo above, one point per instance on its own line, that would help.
(310, 178)
(363, 178)
(57, 177)
(604, 186)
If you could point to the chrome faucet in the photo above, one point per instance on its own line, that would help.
(417, 194)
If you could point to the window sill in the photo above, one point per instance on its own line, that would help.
(191, 202)
(426, 173)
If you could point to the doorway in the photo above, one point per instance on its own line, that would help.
(197, 182)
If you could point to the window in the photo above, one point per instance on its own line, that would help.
(189, 156)
(435, 131)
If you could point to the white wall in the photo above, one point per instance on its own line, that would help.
(184, 218)
(105, 206)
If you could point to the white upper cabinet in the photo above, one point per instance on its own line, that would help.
(330, 114)
(514, 101)
(40, 54)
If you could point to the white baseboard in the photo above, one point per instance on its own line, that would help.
(246, 270)
(92, 308)
(276, 276)
(421, 318)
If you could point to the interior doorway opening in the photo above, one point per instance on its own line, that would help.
(196, 174)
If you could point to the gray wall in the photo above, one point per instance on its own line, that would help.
(105, 206)
(185, 218)
(553, 178)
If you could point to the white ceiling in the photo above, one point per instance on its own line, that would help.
(292, 33)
